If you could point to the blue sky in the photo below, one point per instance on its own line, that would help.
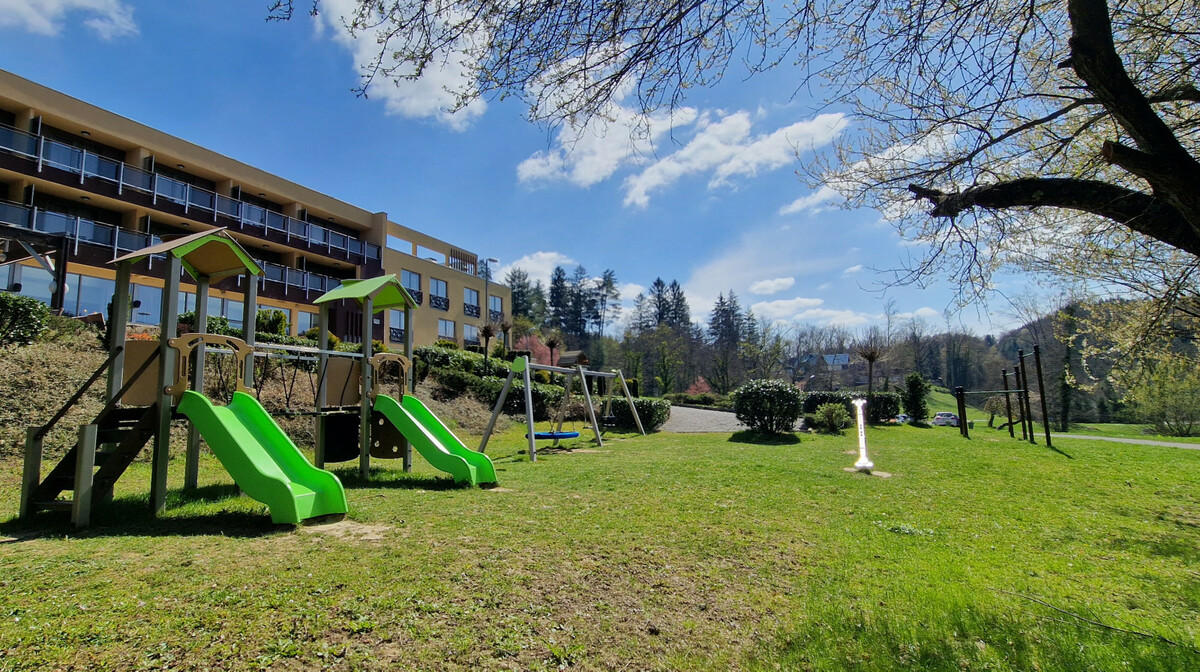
(712, 200)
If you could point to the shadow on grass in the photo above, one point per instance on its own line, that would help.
(764, 439)
(392, 478)
(131, 516)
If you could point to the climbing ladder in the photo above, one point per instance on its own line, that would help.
(104, 450)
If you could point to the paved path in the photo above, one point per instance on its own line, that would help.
(694, 420)
(1115, 439)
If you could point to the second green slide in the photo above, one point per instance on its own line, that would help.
(434, 440)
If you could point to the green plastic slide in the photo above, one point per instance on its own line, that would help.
(436, 443)
(262, 460)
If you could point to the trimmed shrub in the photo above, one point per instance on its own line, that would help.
(701, 399)
(314, 333)
(768, 406)
(448, 345)
(829, 418)
(453, 381)
(821, 397)
(882, 407)
(22, 319)
(216, 324)
(271, 321)
(915, 389)
(284, 339)
(376, 347)
(652, 412)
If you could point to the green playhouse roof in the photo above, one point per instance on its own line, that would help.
(385, 292)
(214, 254)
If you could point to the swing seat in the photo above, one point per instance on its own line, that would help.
(553, 436)
(609, 421)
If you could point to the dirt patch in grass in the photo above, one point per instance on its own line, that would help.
(348, 530)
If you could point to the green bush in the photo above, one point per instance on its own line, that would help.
(284, 339)
(455, 382)
(446, 345)
(768, 406)
(882, 407)
(271, 321)
(821, 397)
(702, 399)
(216, 324)
(915, 390)
(377, 346)
(60, 327)
(315, 332)
(22, 319)
(652, 412)
(829, 418)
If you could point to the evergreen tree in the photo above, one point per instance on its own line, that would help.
(609, 300)
(679, 315)
(558, 304)
(522, 290)
(660, 301)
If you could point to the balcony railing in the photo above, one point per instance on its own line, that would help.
(395, 335)
(495, 316)
(439, 302)
(416, 294)
(470, 310)
(88, 164)
(79, 230)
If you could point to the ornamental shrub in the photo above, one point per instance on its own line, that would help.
(829, 418)
(447, 344)
(22, 319)
(271, 321)
(882, 407)
(652, 412)
(768, 406)
(915, 389)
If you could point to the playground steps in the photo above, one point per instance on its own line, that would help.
(128, 428)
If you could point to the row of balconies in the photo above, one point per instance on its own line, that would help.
(172, 195)
(79, 230)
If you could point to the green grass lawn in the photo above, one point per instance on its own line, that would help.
(1128, 432)
(664, 552)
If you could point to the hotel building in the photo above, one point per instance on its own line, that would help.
(80, 186)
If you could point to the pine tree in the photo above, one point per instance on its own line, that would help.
(558, 304)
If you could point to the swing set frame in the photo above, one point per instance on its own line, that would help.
(523, 366)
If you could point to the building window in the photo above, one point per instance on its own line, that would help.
(305, 321)
(495, 308)
(396, 326)
(470, 334)
(92, 295)
(150, 310)
(439, 296)
(412, 282)
(446, 329)
(471, 302)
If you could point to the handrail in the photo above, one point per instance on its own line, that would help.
(45, 429)
(186, 343)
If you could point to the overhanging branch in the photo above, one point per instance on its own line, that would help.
(1139, 211)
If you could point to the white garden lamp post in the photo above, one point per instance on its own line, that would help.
(864, 463)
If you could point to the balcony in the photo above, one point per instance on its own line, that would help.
(495, 316)
(470, 310)
(416, 294)
(286, 282)
(439, 302)
(395, 335)
(171, 195)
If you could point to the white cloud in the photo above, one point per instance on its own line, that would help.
(768, 287)
(809, 311)
(539, 265)
(725, 147)
(853, 269)
(435, 93)
(784, 309)
(109, 18)
(824, 286)
(811, 202)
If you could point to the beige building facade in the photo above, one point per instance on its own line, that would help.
(80, 186)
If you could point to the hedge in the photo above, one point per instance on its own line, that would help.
(770, 406)
(881, 406)
(22, 319)
(652, 412)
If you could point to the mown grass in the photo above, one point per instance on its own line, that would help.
(1128, 431)
(664, 552)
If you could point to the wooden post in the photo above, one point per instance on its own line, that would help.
(587, 400)
(1028, 410)
(487, 432)
(529, 413)
(562, 409)
(191, 470)
(166, 376)
(364, 404)
(961, 397)
(322, 385)
(85, 465)
(118, 319)
(32, 474)
(1007, 403)
(632, 408)
(1037, 362)
(250, 323)
(412, 379)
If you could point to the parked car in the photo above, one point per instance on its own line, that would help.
(902, 418)
(945, 419)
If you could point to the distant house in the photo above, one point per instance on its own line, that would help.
(839, 362)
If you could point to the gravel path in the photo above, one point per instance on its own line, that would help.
(1114, 439)
(696, 420)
